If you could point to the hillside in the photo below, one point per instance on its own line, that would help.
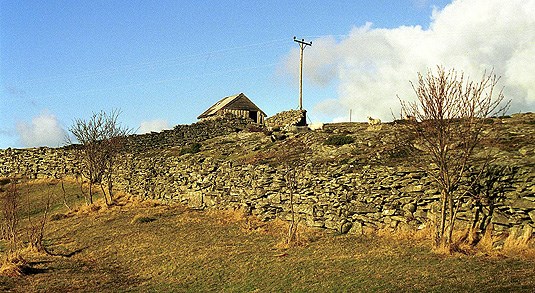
(146, 246)
(370, 182)
(205, 206)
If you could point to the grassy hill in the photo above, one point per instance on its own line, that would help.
(146, 246)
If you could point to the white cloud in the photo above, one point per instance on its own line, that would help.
(372, 65)
(153, 125)
(44, 130)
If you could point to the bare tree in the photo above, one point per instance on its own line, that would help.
(293, 158)
(101, 139)
(447, 120)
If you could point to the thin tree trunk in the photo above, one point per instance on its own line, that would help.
(440, 234)
(110, 189)
(293, 228)
(90, 192)
(451, 220)
(64, 195)
(104, 194)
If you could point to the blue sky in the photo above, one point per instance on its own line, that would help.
(164, 62)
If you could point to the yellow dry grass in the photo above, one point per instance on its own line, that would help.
(115, 248)
(503, 245)
(13, 266)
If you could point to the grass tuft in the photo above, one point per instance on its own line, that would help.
(14, 266)
(191, 149)
(339, 140)
(58, 216)
(141, 219)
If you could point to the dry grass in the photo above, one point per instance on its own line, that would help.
(424, 235)
(514, 245)
(203, 251)
(14, 266)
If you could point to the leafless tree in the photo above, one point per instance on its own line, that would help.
(101, 139)
(447, 121)
(293, 158)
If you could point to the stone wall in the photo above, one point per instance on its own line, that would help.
(38, 163)
(286, 119)
(349, 188)
(339, 197)
(182, 135)
(47, 162)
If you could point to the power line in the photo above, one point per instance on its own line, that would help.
(161, 81)
(182, 60)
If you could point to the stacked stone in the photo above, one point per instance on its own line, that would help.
(350, 195)
(286, 119)
(371, 198)
(182, 135)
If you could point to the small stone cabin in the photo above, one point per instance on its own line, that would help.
(239, 105)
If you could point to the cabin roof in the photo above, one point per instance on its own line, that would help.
(236, 102)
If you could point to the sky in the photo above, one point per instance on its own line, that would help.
(162, 63)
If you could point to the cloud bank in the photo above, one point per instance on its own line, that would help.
(44, 130)
(153, 125)
(373, 65)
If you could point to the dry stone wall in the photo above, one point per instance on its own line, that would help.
(38, 163)
(347, 196)
(182, 135)
(287, 119)
(340, 197)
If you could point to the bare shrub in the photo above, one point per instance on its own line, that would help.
(36, 229)
(102, 139)
(14, 266)
(449, 116)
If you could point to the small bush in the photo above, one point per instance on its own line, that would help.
(57, 217)
(338, 140)
(4, 181)
(278, 136)
(191, 149)
(140, 219)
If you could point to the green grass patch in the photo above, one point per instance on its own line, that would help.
(140, 219)
(191, 149)
(338, 140)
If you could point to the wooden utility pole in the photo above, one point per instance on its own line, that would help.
(302, 45)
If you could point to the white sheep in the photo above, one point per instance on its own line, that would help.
(373, 121)
(316, 126)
